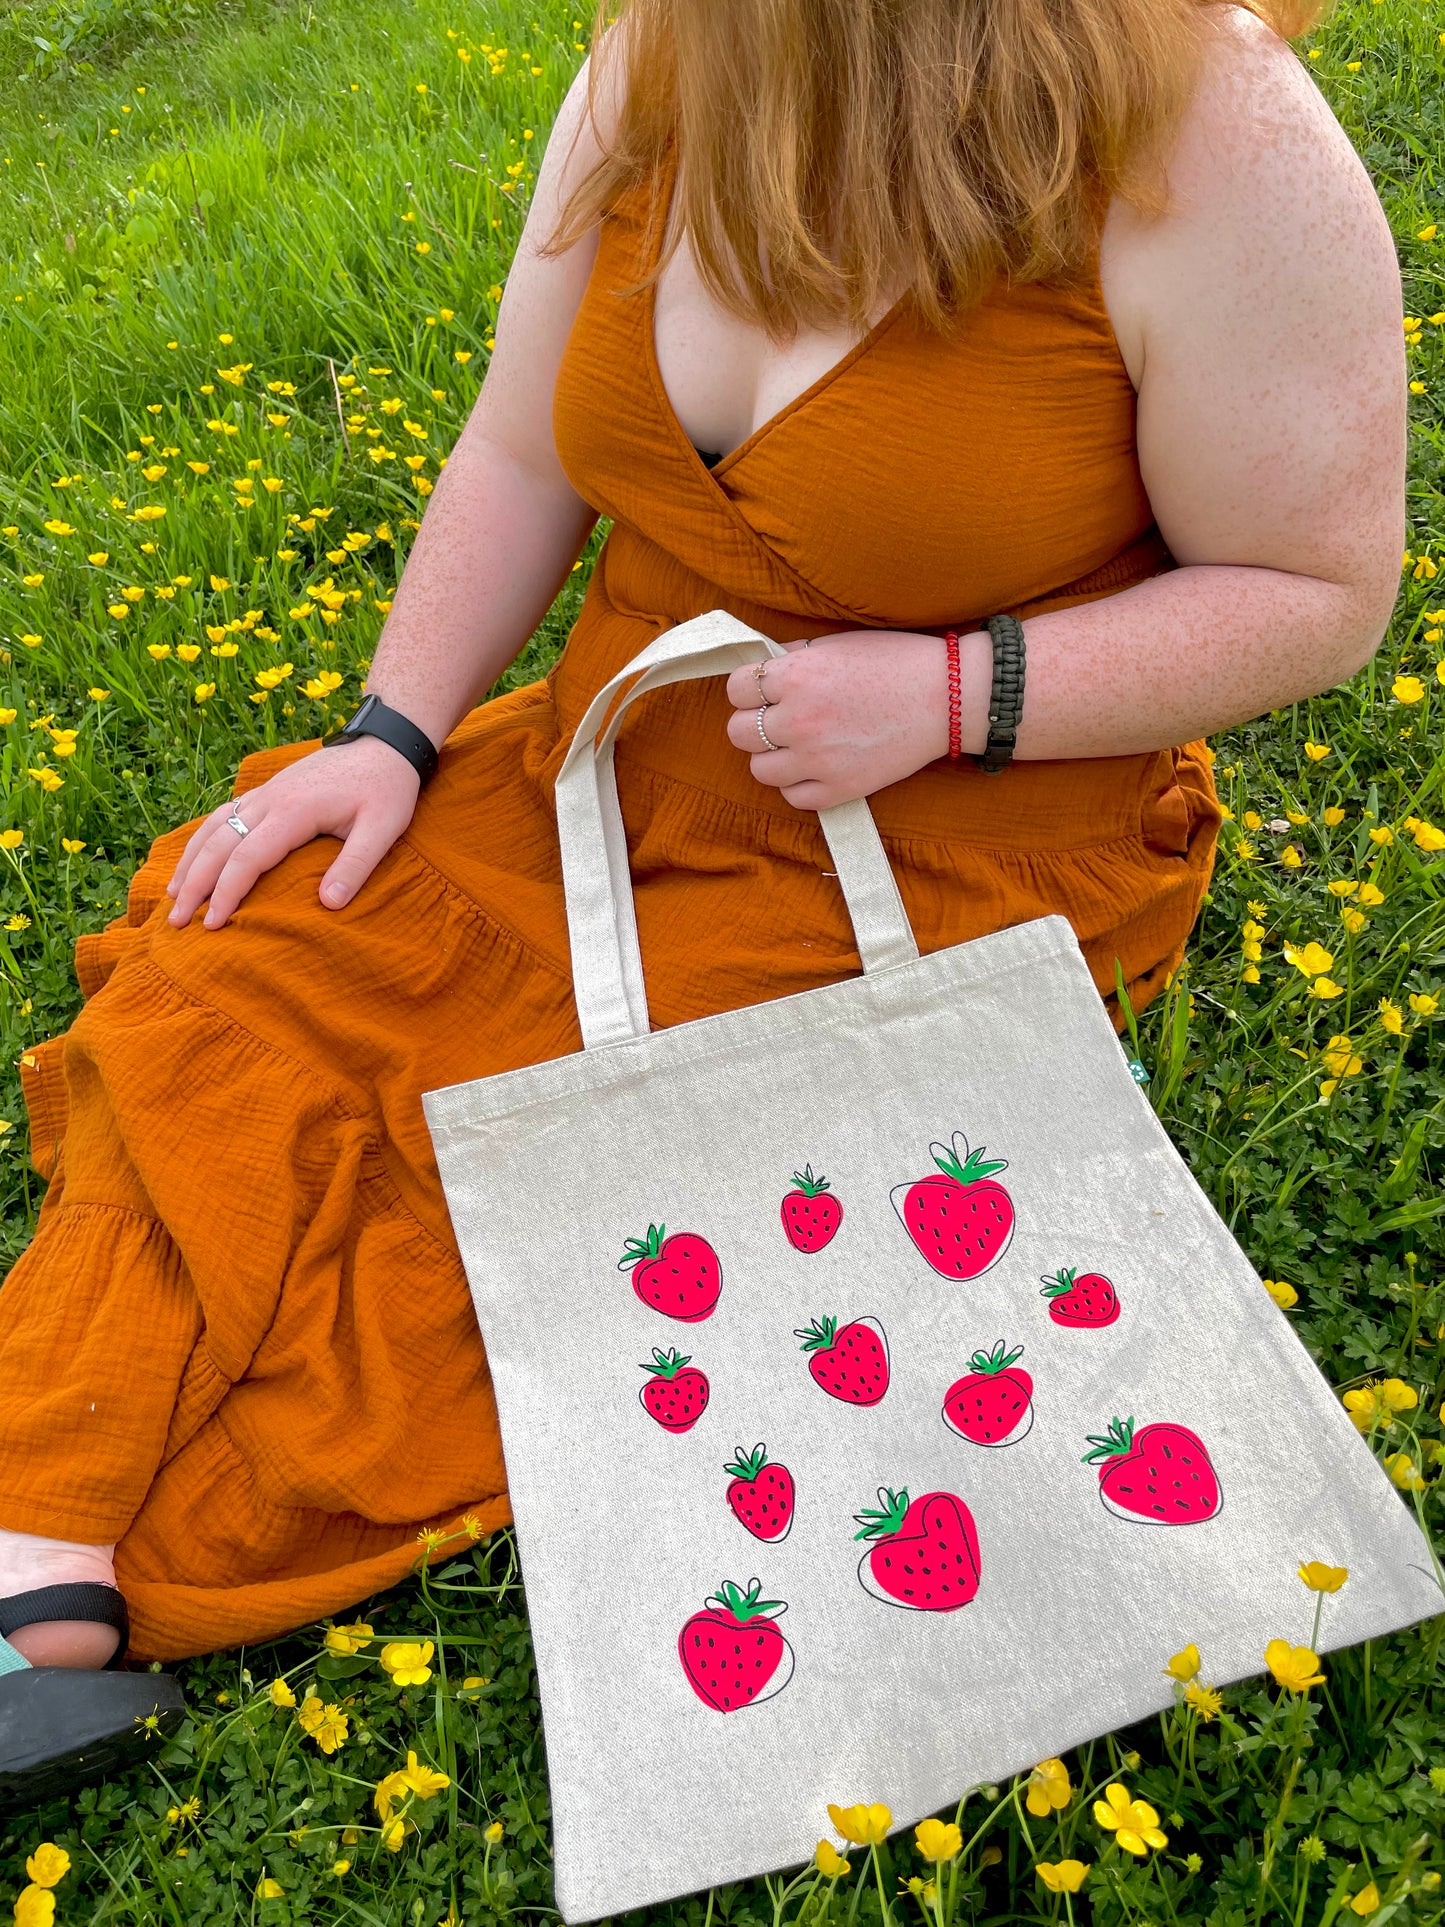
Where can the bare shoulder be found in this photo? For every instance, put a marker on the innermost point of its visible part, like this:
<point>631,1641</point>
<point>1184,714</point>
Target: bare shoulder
<point>1268,196</point>
<point>1260,321</point>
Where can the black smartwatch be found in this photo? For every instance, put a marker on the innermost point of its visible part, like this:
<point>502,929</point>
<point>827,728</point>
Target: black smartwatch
<point>375,719</point>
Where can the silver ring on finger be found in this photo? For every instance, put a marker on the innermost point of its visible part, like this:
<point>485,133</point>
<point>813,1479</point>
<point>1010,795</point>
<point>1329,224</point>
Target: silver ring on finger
<point>767,741</point>
<point>760,669</point>
<point>233,822</point>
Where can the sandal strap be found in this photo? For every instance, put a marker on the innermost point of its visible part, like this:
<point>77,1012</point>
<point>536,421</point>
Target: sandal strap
<point>103,1605</point>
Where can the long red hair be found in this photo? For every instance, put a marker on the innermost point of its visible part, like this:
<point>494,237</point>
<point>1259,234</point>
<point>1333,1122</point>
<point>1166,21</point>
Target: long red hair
<point>867,148</point>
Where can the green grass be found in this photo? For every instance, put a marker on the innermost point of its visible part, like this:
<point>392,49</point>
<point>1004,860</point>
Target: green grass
<point>259,187</point>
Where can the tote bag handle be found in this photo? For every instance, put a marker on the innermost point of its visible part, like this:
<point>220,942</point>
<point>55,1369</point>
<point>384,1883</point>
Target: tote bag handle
<point>601,918</point>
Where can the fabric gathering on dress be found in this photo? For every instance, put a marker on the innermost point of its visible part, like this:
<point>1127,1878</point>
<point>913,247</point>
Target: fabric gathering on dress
<point>241,1343</point>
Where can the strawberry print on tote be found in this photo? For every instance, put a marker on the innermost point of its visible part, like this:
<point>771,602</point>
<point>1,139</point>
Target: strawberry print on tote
<point>761,1494</point>
<point>732,1651</point>
<point>676,1395</point>
<point>811,1214</point>
<point>1086,1301</point>
<point>960,1217</point>
<point>679,1276</point>
<point>1160,1476</point>
<point>850,1364</point>
<point>924,1552</point>
<point>994,1403</point>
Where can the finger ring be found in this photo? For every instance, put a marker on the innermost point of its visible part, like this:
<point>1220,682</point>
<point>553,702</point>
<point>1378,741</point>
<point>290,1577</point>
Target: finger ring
<point>760,669</point>
<point>767,744</point>
<point>233,822</point>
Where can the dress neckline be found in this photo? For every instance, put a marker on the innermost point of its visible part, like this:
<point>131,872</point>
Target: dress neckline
<point>661,212</point>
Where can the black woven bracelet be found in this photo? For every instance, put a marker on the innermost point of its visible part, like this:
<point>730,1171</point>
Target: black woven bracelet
<point>1006,699</point>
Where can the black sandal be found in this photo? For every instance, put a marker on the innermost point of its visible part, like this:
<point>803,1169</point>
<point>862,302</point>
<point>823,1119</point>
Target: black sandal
<point>63,1725</point>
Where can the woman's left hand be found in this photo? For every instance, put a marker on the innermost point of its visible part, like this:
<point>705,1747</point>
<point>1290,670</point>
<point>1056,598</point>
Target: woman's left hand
<point>850,713</point>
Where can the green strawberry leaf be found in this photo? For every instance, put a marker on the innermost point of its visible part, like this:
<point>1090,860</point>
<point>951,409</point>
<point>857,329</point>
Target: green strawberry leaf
<point>888,1519</point>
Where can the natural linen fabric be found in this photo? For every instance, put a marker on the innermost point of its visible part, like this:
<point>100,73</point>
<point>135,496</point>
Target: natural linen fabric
<point>241,1343</point>
<point>1052,1591</point>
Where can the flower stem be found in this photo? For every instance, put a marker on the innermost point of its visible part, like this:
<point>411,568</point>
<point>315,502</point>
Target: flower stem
<point>882,1894</point>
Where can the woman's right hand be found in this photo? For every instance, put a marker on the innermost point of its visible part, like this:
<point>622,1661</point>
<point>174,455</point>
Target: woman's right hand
<point>363,792</point>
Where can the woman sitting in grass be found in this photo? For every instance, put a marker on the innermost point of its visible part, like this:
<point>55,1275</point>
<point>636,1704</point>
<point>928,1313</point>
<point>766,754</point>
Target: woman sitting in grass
<point>877,323</point>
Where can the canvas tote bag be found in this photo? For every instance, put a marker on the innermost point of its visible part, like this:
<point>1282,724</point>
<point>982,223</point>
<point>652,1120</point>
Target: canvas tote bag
<point>880,1487</point>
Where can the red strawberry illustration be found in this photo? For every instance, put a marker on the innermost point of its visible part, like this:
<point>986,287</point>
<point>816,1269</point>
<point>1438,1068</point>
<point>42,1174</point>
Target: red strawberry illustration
<point>1161,1475</point>
<point>811,1214</point>
<point>679,1276</point>
<point>761,1494</point>
<point>732,1651</point>
<point>851,1364</point>
<point>960,1219</point>
<point>925,1554</point>
<point>1090,1300</point>
<point>994,1403</point>
<point>675,1397</point>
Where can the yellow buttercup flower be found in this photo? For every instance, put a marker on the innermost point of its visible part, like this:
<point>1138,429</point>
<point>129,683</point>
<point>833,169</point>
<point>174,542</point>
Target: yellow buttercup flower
<point>11,839</point>
<point>1322,1578</point>
<point>72,845</point>
<point>938,1840</point>
<point>347,1639</point>
<point>1402,1469</point>
<point>1422,1005</point>
<point>1207,1701</point>
<point>1290,857</point>
<point>1341,1057</point>
<point>270,1890</point>
<point>424,1781</point>
<point>865,1826</point>
<point>1283,1294</point>
<point>1427,837</point>
<point>1311,961</point>
<point>1325,988</point>
<point>48,1865</point>
<point>34,1907</point>
<point>1371,895</point>
<point>829,1862</point>
<point>393,1835</point>
<point>327,1725</point>
<point>1333,816</point>
<point>1048,1788</point>
<point>1382,835</point>
<point>1407,689</point>
<point>1317,752</point>
<point>1296,1668</point>
<point>1366,1901</point>
<point>408,1663</point>
<point>493,1833</point>
<point>1184,1665</point>
<point>1391,1017</point>
<point>1376,1403</point>
<point>188,651</point>
<point>1062,1876</point>
<point>280,1693</point>
<point>1397,1396</point>
<point>1133,1823</point>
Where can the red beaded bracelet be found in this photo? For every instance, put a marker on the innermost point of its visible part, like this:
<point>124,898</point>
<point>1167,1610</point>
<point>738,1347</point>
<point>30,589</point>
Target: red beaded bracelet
<point>955,700</point>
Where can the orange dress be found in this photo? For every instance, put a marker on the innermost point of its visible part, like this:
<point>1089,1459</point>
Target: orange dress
<point>241,1342</point>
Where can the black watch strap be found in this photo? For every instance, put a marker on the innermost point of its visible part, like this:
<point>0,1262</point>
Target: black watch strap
<point>375,719</point>
<point>1006,699</point>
